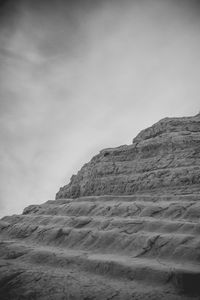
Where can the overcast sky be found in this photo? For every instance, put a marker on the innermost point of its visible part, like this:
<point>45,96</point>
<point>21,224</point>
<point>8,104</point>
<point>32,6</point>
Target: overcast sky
<point>80,76</point>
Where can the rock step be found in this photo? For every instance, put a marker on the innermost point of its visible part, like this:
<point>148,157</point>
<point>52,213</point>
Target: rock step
<point>178,246</point>
<point>131,225</point>
<point>184,277</point>
<point>186,210</point>
<point>135,197</point>
<point>31,281</point>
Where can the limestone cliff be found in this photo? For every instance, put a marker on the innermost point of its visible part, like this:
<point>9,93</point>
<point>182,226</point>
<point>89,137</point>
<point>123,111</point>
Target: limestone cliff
<point>163,157</point>
<point>127,226</point>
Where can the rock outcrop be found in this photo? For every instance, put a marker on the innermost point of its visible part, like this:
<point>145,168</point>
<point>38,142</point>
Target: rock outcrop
<point>127,226</point>
<point>163,157</point>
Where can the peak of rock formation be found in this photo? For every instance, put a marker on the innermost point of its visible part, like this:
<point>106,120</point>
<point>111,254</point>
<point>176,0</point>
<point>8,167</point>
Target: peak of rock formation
<point>127,226</point>
<point>163,157</point>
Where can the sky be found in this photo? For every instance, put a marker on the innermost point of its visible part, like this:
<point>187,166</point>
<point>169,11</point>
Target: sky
<point>80,76</point>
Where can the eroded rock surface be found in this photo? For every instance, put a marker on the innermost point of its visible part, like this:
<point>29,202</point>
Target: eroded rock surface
<point>163,157</point>
<point>127,226</point>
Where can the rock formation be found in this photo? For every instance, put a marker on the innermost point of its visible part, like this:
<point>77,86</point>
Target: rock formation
<point>161,158</point>
<point>127,226</point>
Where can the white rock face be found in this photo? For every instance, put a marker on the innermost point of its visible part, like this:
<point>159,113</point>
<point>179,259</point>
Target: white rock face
<point>162,158</point>
<point>127,226</point>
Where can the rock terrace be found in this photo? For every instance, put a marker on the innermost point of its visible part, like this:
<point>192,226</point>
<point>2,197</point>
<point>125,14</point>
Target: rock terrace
<point>127,226</point>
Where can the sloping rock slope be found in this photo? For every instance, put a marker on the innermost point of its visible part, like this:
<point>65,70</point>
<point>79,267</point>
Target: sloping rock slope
<point>127,226</point>
<point>161,158</point>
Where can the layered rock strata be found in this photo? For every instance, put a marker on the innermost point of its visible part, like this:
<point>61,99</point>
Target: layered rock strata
<point>162,158</point>
<point>127,226</point>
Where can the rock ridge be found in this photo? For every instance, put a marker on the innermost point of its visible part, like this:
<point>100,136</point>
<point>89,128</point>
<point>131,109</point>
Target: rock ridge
<point>165,156</point>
